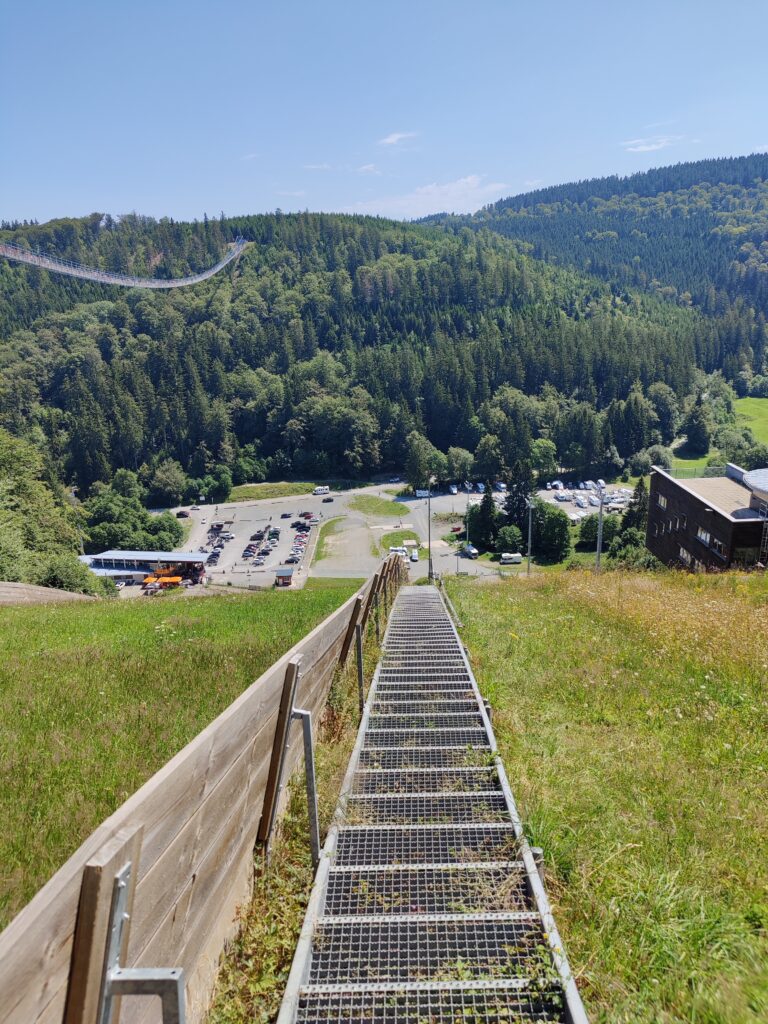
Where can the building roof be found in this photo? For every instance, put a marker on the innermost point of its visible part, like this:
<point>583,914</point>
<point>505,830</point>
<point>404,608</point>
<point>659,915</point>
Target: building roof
<point>723,494</point>
<point>148,556</point>
<point>757,479</point>
<point>284,572</point>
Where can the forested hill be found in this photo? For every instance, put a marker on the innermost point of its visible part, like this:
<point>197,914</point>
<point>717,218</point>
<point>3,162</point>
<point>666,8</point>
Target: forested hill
<point>694,233</point>
<point>336,347</point>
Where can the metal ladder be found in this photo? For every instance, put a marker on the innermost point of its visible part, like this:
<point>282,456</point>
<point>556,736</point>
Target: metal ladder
<point>428,906</point>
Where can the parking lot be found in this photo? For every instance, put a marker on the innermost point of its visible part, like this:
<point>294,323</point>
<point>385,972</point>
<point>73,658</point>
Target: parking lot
<point>247,556</point>
<point>581,501</point>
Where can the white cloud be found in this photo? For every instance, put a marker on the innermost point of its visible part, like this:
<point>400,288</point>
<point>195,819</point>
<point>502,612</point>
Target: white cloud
<point>465,195</point>
<point>651,143</point>
<point>292,195</point>
<point>317,167</point>
<point>394,137</point>
<point>532,182</point>
<point>368,169</point>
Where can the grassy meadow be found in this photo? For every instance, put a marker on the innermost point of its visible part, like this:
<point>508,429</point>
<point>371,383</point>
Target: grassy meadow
<point>282,489</point>
<point>396,538</point>
<point>370,505</point>
<point>632,717</point>
<point>96,697</point>
<point>753,413</point>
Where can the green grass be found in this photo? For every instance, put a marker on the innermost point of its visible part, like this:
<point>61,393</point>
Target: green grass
<point>283,489</point>
<point>396,538</point>
<point>373,506</point>
<point>753,413</point>
<point>328,528</point>
<point>97,697</point>
<point>632,717</point>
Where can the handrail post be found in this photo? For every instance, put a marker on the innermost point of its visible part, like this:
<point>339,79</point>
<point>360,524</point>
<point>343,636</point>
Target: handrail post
<point>309,769</point>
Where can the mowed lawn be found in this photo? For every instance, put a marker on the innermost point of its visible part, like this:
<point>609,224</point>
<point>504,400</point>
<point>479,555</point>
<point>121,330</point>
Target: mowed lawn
<point>753,413</point>
<point>96,697</point>
<point>632,716</point>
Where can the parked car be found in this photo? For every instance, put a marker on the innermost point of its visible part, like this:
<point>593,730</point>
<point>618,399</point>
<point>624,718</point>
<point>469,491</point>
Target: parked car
<point>182,514</point>
<point>480,488</point>
<point>286,515</point>
<point>414,555</point>
<point>258,561</point>
<point>394,480</point>
<point>511,558</point>
<point>453,489</point>
<point>195,508</point>
<point>469,551</point>
<point>292,560</point>
<point>326,500</point>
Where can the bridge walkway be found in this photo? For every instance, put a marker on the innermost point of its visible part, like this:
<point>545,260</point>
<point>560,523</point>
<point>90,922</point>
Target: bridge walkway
<point>427,906</point>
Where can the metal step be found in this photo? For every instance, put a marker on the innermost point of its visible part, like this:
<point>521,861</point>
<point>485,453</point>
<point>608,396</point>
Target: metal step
<point>427,889</point>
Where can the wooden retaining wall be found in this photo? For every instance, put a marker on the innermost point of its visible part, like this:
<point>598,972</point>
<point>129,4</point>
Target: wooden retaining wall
<point>195,824</point>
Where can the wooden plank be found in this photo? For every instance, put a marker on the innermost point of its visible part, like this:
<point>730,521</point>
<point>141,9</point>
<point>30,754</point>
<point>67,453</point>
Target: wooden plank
<point>93,924</point>
<point>161,886</point>
<point>369,603</point>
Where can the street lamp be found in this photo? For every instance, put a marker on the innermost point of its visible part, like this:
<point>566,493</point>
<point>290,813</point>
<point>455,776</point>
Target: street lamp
<point>429,525</point>
<point>529,504</point>
<point>601,493</point>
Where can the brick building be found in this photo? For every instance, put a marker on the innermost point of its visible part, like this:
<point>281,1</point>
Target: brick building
<point>709,522</point>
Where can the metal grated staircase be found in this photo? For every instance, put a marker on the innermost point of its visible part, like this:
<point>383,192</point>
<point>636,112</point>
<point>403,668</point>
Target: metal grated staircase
<point>427,907</point>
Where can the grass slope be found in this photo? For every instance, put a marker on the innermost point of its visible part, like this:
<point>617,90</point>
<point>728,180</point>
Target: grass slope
<point>97,697</point>
<point>396,538</point>
<point>632,717</point>
<point>753,413</point>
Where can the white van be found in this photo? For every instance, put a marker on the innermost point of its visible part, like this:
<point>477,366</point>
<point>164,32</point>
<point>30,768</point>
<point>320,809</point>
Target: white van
<point>322,490</point>
<point>511,559</point>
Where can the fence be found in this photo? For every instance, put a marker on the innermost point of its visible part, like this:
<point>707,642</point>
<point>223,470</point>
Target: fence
<point>189,833</point>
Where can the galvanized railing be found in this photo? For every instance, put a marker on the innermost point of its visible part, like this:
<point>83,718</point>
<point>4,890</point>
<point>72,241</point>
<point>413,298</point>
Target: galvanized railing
<point>428,904</point>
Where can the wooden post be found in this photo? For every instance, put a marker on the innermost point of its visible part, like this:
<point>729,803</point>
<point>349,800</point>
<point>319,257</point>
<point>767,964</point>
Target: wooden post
<point>353,620</point>
<point>369,602</point>
<point>282,729</point>
<point>360,678</point>
<point>92,927</point>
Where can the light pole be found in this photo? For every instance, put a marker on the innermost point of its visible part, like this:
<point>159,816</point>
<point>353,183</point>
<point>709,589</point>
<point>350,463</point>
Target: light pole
<point>601,492</point>
<point>429,525</point>
<point>529,503</point>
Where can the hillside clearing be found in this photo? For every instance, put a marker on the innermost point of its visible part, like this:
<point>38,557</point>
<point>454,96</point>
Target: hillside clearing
<point>753,413</point>
<point>96,697</point>
<point>631,713</point>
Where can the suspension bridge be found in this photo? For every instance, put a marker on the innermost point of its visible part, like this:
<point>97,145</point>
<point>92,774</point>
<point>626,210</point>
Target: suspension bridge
<point>61,266</point>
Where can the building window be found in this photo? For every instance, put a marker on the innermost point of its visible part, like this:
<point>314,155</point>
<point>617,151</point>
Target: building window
<point>685,556</point>
<point>683,522</point>
<point>718,547</point>
<point>703,535</point>
<point>670,526</point>
<point>662,501</point>
<point>655,530</point>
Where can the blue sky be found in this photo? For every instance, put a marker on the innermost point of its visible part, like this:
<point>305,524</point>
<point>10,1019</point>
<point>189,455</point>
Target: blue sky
<point>175,108</point>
